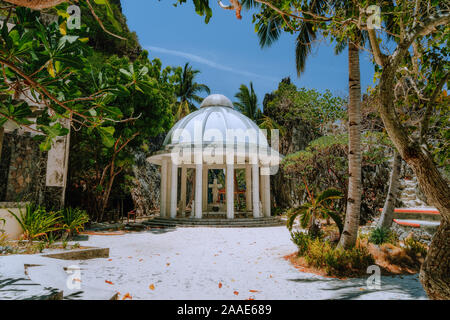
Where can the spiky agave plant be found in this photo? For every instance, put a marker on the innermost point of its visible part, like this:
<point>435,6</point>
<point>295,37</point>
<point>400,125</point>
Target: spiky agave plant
<point>37,222</point>
<point>317,207</point>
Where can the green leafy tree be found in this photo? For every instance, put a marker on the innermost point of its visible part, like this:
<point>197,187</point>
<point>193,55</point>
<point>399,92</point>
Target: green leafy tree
<point>144,94</point>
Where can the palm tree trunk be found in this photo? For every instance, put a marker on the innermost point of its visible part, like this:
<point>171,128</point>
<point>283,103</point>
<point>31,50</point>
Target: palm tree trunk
<point>389,205</point>
<point>350,233</point>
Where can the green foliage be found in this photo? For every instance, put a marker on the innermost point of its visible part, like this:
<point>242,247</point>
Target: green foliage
<point>324,164</point>
<point>382,235</point>
<point>415,248</point>
<point>301,240</point>
<point>36,222</point>
<point>335,261</point>
<point>288,104</point>
<point>74,219</point>
<point>49,64</point>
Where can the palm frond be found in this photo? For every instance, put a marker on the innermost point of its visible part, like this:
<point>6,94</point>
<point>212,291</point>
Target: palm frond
<point>294,213</point>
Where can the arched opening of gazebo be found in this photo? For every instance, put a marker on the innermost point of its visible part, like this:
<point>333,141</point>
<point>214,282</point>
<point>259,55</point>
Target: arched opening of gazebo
<point>212,140</point>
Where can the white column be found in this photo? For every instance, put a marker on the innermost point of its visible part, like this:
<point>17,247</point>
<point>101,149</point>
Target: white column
<point>183,191</point>
<point>198,190</point>
<point>255,190</point>
<point>230,191</point>
<point>266,195</point>
<point>173,191</point>
<point>205,188</point>
<point>248,187</point>
<point>168,188</point>
<point>162,206</point>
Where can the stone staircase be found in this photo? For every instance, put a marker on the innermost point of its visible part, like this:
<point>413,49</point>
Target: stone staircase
<point>159,222</point>
<point>415,213</point>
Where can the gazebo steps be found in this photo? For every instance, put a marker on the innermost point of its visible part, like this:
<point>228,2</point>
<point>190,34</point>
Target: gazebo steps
<point>215,222</point>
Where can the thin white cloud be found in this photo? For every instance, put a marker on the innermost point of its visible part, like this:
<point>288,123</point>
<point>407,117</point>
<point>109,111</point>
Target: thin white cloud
<point>209,63</point>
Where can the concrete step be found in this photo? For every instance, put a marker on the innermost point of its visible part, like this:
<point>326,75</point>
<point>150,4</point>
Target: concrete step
<point>429,226</point>
<point>236,223</point>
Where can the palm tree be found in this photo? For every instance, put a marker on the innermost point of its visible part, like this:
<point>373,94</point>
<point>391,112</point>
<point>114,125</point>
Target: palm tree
<point>268,33</point>
<point>187,90</point>
<point>247,104</point>
<point>317,207</point>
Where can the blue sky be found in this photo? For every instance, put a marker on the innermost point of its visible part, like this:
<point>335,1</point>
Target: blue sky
<point>227,51</point>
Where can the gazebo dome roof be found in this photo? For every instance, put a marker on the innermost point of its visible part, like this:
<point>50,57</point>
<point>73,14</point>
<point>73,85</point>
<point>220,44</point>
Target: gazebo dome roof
<point>211,123</point>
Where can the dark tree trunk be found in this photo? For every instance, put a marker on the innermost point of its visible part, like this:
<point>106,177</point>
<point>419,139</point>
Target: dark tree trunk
<point>389,205</point>
<point>435,271</point>
<point>2,133</point>
<point>435,275</point>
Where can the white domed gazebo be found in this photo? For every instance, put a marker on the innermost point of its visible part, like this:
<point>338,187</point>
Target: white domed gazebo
<point>215,137</point>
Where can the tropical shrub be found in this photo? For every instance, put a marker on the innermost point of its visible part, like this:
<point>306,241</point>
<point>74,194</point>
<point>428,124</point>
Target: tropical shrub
<point>36,222</point>
<point>415,248</point>
<point>301,240</point>
<point>74,219</point>
<point>324,255</point>
<point>382,235</point>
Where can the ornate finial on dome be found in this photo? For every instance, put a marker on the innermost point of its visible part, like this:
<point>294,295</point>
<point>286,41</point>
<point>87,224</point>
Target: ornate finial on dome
<point>216,100</point>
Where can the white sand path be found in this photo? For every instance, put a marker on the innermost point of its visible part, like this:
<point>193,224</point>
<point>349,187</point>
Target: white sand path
<point>189,263</point>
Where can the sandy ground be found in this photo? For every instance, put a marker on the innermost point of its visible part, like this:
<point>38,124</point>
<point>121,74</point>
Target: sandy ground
<point>227,263</point>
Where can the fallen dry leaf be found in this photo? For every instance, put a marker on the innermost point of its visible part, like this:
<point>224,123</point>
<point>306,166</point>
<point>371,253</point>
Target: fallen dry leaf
<point>127,296</point>
<point>220,285</point>
<point>108,282</point>
<point>109,259</point>
<point>151,287</point>
<point>168,264</point>
<point>254,291</point>
<point>236,293</point>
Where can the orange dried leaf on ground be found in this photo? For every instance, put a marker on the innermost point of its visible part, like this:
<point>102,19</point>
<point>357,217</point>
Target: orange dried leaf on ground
<point>168,264</point>
<point>236,293</point>
<point>127,296</point>
<point>151,287</point>
<point>108,282</point>
<point>251,298</point>
<point>109,259</point>
<point>254,291</point>
<point>220,285</point>
<point>140,260</point>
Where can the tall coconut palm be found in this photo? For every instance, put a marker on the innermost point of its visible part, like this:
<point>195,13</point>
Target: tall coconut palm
<point>268,33</point>
<point>247,102</point>
<point>187,90</point>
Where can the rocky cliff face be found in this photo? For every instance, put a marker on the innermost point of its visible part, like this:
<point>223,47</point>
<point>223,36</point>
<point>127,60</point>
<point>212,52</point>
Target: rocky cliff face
<point>147,180</point>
